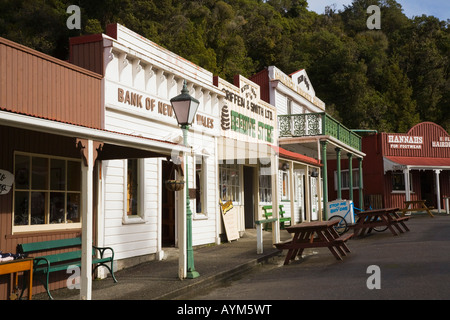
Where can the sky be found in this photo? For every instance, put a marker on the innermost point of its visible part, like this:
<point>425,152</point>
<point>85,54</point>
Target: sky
<point>437,8</point>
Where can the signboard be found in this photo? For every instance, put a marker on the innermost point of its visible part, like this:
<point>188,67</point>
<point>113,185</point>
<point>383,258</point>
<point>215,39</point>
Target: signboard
<point>425,139</point>
<point>6,181</point>
<point>229,220</point>
<point>343,208</point>
<point>401,141</point>
<point>244,116</point>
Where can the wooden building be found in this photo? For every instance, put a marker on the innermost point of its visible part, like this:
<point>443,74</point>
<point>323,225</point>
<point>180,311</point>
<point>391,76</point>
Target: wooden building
<point>53,142</point>
<point>305,128</point>
<point>407,166</point>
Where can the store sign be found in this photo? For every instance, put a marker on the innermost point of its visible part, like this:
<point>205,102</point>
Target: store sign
<point>245,113</point>
<point>444,142</point>
<point>397,141</point>
<point>6,181</point>
<point>154,105</point>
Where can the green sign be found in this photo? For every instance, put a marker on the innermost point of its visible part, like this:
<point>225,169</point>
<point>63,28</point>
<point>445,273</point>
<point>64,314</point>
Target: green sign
<point>246,125</point>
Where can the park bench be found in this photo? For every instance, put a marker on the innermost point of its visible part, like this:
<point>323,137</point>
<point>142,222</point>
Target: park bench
<point>268,215</point>
<point>46,264</point>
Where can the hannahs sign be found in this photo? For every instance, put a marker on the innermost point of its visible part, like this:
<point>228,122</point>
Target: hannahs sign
<point>397,141</point>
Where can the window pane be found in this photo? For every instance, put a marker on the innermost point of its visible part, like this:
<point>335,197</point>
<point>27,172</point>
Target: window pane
<point>73,207</point>
<point>38,205</point>
<point>57,207</point>
<point>57,174</point>
<point>198,183</point>
<point>73,176</point>
<point>39,177</point>
<point>21,208</point>
<point>22,172</point>
<point>132,187</point>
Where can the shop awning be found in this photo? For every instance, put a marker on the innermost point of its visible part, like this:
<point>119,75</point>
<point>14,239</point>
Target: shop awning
<point>283,153</point>
<point>398,163</point>
<point>231,150</point>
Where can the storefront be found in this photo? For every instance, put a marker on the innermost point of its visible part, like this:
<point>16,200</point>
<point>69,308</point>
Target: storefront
<point>408,166</point>
<point>247,162</point>
<point>140,216</point>
<point>306,129</point>
<point>253,170</point>
<point>53,141</point>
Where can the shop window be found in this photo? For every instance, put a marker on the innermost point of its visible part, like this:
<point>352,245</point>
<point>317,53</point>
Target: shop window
<point>345,179</point>
<point>265,188</point>
<point>47,192</point>
<point>133,192</point>
<point>132,187</point>
<point>229,185</point>
<point>398,182</point>
<point>200,185</point>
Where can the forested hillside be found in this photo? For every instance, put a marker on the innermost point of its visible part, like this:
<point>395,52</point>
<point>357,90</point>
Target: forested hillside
<point>387,79</point>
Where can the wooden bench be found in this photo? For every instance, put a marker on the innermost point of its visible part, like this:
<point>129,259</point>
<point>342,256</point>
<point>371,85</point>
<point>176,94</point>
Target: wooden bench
<point>315,234</point>
<point>416,206</point>
<point>46,264</point>
<point>259,233</point>
<point>268,215</point>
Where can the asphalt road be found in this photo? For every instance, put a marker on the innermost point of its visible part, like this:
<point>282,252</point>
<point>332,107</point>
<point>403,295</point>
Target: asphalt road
<point>413,265</point>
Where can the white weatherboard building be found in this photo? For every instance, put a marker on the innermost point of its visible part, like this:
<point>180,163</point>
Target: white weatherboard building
<point>137,215</point>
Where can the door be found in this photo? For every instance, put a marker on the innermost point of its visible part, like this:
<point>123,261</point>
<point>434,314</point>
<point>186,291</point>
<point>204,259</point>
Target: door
<point>427,188</point>
<point>249,198</point>
<point>168,206</point>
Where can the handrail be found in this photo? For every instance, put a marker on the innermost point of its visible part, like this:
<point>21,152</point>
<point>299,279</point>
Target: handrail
<point>313,124</point>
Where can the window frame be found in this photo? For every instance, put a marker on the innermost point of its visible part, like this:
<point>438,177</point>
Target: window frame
<point>47,225</point>
<point>267,187</point>
<point>224,167</point>
<point>403,182</point>
<point>140,216</point>
<point>355,174</point>
<point>203,179</point>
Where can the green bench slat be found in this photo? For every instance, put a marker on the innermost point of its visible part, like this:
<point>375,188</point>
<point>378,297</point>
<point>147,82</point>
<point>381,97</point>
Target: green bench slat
<point>265,221</point>
<point>48,245</point>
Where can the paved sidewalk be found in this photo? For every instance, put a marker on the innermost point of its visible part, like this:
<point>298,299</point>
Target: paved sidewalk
<point>159,279</point>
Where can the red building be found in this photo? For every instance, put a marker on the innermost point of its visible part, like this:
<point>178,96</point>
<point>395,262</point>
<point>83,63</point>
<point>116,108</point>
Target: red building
<point>407,166</point>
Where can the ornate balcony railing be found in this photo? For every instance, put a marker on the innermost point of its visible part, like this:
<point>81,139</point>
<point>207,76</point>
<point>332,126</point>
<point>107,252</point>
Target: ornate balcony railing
<point>316,124</point>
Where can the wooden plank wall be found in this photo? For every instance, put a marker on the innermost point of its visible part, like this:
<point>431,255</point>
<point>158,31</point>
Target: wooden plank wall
<point>35,84</point>
<point>14,139</point>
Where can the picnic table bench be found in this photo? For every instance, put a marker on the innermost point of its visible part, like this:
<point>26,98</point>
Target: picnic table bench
<point>367,220</point>
<point>416,205</point>
<point>46,264</point>
<point>268,213</point>
<point>315,235</point>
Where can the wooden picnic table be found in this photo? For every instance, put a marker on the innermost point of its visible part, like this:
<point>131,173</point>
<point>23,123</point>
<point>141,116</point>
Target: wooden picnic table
<point>313,235</point>
<point>416,205</point>
<point>367,220</point>
<point>15,266</point>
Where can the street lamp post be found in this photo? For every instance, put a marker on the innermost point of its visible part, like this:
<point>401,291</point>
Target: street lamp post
<point>185,107</point>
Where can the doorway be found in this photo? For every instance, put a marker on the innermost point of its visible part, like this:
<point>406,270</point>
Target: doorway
<point>168,206</point>
<point>249,198</point>
<point>427,189</point>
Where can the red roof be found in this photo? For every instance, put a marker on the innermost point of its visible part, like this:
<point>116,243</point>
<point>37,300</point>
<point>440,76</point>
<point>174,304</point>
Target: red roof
<point>296,156</point>
<point>421,161</point>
